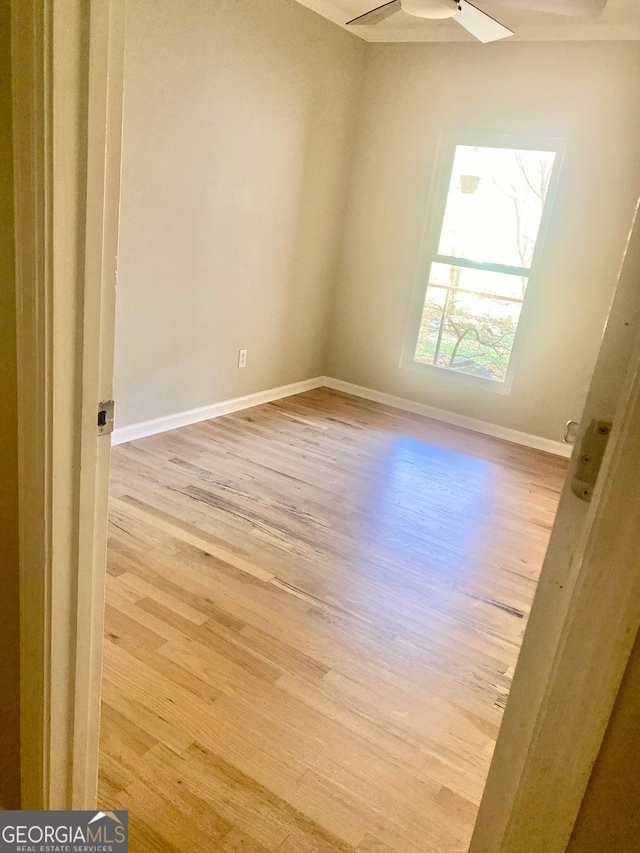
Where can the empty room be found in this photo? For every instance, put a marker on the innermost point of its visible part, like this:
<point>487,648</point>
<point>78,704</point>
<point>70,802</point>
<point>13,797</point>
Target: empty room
<point>365,267</point>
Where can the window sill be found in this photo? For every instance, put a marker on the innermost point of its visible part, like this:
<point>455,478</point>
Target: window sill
<point>464,379</point>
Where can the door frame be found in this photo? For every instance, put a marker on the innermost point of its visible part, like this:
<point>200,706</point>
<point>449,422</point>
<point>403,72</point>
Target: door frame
<point>68,88</point>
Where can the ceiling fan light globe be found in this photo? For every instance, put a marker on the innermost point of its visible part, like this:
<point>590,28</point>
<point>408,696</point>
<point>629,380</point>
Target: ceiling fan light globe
<point>432,9</point>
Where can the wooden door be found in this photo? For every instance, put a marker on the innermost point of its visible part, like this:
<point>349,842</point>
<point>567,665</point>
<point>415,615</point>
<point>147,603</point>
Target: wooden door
<point>584,618</point>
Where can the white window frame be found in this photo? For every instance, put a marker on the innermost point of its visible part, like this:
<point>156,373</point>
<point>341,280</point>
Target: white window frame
<point>439,191</point>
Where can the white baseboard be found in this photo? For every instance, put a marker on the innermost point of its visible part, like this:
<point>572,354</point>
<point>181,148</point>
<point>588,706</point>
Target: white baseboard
<point>226,407</point>
<point>215,410</point>
<point>513,435</point>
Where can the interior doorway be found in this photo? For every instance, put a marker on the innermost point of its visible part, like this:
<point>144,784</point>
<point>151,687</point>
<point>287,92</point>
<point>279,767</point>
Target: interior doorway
<point>86,589</point>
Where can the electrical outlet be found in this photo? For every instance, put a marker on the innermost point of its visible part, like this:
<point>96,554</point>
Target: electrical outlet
<point>242,358</point>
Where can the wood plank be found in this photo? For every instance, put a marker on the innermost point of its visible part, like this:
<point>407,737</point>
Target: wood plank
<point>315,610</point>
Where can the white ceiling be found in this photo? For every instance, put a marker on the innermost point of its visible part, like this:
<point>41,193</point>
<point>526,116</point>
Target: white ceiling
<point>619,21</point>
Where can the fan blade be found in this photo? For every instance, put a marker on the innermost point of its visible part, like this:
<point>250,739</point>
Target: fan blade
<point>574,8</point>
<point>377,15</point>
<point>479,24</point>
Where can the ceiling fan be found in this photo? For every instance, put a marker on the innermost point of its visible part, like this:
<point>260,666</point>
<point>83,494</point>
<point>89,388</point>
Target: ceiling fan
<point>474,20</point>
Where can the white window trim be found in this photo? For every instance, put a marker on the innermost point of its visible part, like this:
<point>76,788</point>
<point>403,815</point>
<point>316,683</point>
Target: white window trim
<point>439,190</point>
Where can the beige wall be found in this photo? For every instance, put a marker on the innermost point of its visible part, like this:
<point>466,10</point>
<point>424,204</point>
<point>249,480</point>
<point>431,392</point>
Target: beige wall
<point>240,161</point>
<point>9,649</point>
<point>237,117</point>
<point>609,820</point>
<point>586,92</point>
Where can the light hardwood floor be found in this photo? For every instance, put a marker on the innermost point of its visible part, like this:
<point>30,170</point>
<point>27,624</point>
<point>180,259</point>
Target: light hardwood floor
<point>314,609</point>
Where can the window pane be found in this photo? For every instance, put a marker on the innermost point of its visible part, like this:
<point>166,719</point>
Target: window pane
<point>468,333</point>
<point>494,205</point>
<point>480,281</point>
<point>432,316</point>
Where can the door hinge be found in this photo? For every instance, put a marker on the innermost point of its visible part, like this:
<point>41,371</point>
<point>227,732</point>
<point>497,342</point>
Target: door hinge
<point>592,448</point>
<point>105,417</point>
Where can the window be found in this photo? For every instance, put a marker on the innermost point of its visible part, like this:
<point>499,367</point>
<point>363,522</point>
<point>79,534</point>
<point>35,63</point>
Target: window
<point>488,207</point>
